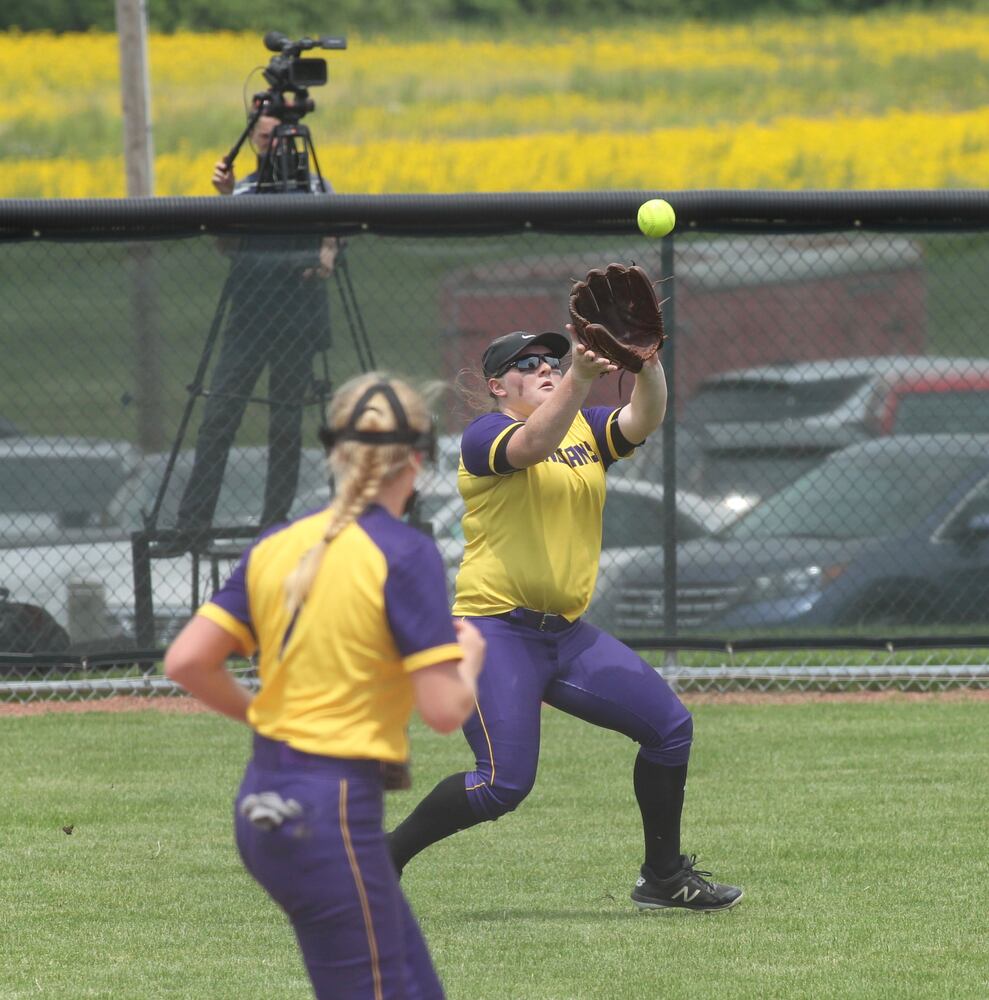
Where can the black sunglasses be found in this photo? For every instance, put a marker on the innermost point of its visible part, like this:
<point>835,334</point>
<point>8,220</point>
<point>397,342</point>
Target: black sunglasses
<point>533,362</point>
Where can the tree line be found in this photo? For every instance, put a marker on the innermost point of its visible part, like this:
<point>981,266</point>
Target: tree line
<point>315,17</point>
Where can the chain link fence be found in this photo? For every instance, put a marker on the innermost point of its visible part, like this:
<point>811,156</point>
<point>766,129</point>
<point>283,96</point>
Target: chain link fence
<point>813,514</point>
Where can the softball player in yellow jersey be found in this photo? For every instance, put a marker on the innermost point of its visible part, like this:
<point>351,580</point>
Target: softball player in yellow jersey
<point>348,613</point>
<point>532,475</point>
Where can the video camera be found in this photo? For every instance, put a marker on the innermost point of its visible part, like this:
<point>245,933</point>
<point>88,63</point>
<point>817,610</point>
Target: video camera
<point>288,72</point>
<point>285,166</point>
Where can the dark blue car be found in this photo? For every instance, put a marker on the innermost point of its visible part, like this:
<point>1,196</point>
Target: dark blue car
<point>889,531</point>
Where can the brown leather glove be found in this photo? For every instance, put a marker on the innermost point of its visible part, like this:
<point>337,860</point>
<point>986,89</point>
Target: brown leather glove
<point>616,314</point>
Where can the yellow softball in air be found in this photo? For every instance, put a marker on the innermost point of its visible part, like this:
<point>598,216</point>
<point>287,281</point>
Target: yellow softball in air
<point>656,218</point>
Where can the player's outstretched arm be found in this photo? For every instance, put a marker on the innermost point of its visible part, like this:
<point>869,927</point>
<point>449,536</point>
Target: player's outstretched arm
<point>647,405</point>
<point>548,425</point>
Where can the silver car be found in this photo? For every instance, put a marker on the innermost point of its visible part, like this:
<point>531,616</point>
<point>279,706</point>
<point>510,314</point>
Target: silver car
<point>755,430</point>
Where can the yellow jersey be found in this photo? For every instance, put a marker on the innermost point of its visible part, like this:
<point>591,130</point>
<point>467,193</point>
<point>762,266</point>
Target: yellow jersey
<point>335,677</point>
<point>533,536</point>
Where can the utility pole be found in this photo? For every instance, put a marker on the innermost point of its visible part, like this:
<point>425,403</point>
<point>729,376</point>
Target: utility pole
<point>135,92</point>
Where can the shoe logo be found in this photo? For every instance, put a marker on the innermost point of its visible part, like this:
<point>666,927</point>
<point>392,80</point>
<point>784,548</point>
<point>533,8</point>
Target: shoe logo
<point>640,882</point>
<point>684,893</point>
<point>528,336</point>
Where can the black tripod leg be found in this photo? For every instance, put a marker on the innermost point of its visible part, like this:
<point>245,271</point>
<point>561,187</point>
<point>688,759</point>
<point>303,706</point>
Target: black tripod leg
<point>144,622</point>
<point>323,387</point>
<point>195,389</point>
<point>341,272</point>
<point>362,345</point>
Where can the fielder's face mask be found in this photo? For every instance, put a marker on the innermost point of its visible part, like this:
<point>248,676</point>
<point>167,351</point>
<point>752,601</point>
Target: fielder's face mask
<point>404,432</point>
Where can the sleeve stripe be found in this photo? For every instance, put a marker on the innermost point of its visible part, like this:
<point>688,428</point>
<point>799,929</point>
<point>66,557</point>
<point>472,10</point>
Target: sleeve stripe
<point>430,657</point>
<point>613,434</point>
<point>621,442</point>
<point>226,621</point>
<point>498,448</point>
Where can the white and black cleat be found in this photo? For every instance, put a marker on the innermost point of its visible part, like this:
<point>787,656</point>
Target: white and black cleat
<point>686,889</point>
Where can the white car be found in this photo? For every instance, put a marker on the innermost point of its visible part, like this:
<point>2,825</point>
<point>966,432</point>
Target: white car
<point>87,582</point>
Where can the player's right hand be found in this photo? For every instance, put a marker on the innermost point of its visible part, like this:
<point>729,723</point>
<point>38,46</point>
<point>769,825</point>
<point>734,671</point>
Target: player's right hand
<point>223,177</point>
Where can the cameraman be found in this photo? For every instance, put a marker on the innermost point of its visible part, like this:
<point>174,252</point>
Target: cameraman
<point>278,318</point>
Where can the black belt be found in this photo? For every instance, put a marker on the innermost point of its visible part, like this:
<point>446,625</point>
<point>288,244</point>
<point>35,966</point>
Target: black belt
<point>538,620</point>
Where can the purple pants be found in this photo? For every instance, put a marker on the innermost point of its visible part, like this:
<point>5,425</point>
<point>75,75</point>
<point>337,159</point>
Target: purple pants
<point>581,671</point>
<point>329,869</point>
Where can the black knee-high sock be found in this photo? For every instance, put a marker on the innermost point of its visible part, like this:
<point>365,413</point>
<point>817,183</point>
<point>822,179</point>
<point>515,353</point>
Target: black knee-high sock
<point>444,811</point>
<point>659,792</point>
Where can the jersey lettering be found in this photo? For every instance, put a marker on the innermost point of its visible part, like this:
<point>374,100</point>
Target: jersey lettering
<point>576,455</point>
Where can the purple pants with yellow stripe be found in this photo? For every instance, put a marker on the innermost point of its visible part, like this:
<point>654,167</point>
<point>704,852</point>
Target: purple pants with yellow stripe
<point>327,866</point>
<point>581,671</point>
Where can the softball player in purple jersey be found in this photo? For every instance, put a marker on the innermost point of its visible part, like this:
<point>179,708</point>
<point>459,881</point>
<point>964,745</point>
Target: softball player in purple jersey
<point>347,612</point>
<point>532,475</point>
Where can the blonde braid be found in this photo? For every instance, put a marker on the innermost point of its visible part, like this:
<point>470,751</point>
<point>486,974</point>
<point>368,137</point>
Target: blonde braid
<point>356,492</point>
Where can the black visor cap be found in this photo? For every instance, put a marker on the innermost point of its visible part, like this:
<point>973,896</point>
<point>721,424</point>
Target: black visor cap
<point>504,350</point>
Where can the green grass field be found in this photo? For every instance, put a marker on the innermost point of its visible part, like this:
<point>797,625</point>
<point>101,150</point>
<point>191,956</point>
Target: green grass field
<point>857,830</point>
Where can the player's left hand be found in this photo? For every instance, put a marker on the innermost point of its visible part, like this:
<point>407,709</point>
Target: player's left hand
<point>585,364</point>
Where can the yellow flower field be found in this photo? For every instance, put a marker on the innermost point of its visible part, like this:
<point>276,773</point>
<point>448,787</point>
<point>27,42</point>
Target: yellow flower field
<point>865,102</point>
<point>898,151</point>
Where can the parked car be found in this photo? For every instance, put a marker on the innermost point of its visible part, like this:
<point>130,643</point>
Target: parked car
<point>889,531</point>
<point>58,488</point>
<point>950,402</point>
<point>755,430</point>
<point>87,585</point>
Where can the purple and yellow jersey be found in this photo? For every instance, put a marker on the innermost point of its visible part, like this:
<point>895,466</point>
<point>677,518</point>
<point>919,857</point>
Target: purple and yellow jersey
<point>335,681</point>
<point>533,536</point>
